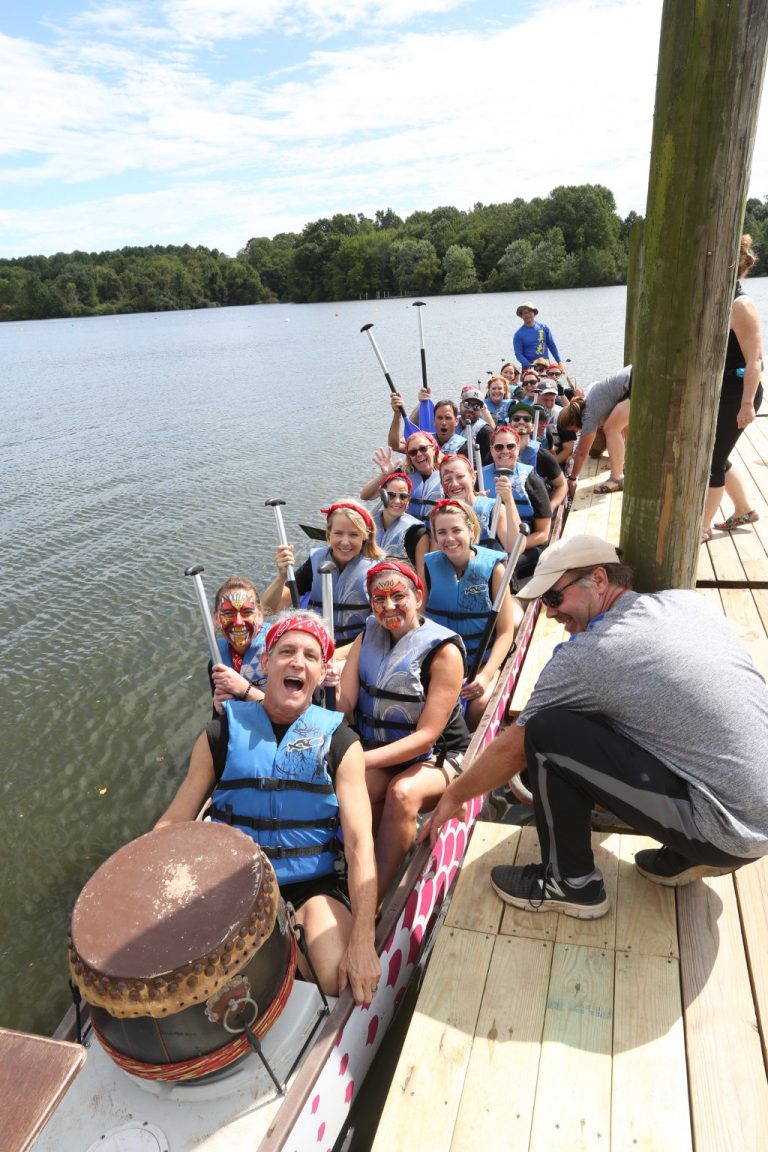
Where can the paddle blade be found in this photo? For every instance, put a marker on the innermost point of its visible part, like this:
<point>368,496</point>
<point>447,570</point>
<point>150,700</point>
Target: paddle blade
<point>409,428</point>
<point>427,416</point>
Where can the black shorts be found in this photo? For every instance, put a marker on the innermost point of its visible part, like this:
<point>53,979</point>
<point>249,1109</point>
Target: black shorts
<point>333,885</point>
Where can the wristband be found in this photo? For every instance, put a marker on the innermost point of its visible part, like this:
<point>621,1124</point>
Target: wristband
<point>244,695</point>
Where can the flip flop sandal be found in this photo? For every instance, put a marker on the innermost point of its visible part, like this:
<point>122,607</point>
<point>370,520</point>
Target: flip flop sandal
<point>738,521</point>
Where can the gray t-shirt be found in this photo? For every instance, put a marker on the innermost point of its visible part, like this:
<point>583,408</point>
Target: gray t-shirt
<point>668,672</point>
<point>603,397</point>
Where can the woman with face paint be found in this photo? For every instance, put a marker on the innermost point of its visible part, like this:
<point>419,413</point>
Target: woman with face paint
<point>400,690</point>
<point>351,534</point>
<point>237,612</point>
<point>463,580</point>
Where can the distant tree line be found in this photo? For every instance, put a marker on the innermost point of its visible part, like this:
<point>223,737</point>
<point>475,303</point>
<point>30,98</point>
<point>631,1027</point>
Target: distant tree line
<point>572,238</point>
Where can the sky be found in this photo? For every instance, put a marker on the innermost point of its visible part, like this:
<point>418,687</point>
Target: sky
<point>212,121</point>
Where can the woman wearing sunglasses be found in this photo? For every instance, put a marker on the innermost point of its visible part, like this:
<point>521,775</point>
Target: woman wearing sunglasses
<point>422,468</point>
<point>528,491</point>
<point>397,532</point>
<point>462,581</point>
<point>533,452</point>
<point>458,479</point>
<point>400,689</point>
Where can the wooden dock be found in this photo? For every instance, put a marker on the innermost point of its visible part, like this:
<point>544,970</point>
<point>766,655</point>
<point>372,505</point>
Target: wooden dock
<point>644,1031</point>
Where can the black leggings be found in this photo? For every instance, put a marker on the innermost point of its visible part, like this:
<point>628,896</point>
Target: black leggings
<point>575,759</point>
<point>727,431</point>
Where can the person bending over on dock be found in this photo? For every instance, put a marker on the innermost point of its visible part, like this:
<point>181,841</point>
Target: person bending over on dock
<point>298,769</point>
<point>654,710</point>
<point>533,341</point>
<point>605,406</point>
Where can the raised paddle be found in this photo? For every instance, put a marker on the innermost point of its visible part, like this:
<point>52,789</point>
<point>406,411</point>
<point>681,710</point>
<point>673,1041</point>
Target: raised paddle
<point>426,407</point>
<point>290,577</point>
<point>493,615</point>
<point>326,570</point>
<point>210,632</point>
<point>408,426</point>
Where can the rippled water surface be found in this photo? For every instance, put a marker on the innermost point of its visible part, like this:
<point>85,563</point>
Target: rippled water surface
<point>131,447</point>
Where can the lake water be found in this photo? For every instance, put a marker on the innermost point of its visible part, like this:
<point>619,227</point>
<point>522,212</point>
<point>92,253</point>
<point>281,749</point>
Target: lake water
<point>133,446</point>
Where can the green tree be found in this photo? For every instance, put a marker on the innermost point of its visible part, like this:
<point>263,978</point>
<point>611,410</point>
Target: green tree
<point>459,273</point>
<point>415,266</point>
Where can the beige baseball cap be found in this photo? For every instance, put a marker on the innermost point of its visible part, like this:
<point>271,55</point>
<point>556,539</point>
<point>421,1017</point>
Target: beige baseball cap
<point>565,555</point>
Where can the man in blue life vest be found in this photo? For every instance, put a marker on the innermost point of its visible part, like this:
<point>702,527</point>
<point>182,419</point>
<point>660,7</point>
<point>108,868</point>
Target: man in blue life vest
<point>631,713</point>
<point>291,774</point>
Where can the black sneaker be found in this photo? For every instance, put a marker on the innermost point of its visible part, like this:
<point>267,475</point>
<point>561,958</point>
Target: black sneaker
<point>533,888</point>
<point>667,867</point>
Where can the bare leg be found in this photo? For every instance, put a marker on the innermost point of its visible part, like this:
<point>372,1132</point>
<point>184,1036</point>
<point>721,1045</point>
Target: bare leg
<point>711,505</point>
<point>734,487</point>
<point>416,789</point>
<point>475,708</point>
<point>615,428</point>
<point>327,927</point>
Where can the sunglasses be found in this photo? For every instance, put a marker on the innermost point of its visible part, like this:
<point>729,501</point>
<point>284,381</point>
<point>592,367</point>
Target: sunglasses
<point>554,598</point>
<point>475,405</point>
<point>414,452</point>
<point>504,447</point>
<point>397,495</point>
<point>520,419</point>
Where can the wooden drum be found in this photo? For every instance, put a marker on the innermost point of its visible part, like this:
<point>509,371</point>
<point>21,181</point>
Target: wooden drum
<point>178,942</point>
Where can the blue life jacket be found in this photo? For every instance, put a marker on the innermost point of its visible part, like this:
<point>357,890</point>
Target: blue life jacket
<point>251,666</point>
<point>462,604</point>
<point>392,539</point>
<point>391,695</point>
<point>282,795</point>
<point>483,508</point>
<point>426,493</point>
<point>518,478</point>
<point>453,444</point>
<point>500,411</point>
<point>528,454</point>
<point>351,607</point>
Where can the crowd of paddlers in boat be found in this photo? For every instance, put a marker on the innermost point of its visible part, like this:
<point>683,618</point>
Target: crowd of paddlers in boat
<point>400,622</point>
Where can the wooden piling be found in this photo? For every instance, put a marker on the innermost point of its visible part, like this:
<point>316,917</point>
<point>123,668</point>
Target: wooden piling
<point>711,67</point>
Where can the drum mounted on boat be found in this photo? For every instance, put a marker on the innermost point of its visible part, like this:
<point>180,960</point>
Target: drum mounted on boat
<point>179,942</point>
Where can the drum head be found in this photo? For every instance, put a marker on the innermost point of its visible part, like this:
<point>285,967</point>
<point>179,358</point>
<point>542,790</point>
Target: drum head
<point>170,916</point>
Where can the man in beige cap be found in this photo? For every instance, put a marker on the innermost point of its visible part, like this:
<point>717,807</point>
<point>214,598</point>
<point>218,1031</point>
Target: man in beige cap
<point>652,709</point>
<point>533,341</point>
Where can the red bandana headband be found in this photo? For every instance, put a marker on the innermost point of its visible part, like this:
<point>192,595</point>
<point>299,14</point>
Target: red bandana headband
<point>396,476</point>
<point>447,506</point>
<point>451,458</point>
<point>301,624</point>
<point>393,566</point>
<point>328,512</point>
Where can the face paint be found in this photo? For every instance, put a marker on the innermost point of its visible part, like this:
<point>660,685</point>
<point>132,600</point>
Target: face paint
<point>391,601</point>
<point>239,619</point>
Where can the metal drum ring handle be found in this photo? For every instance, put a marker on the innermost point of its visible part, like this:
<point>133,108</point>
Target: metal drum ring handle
<point>236,1006</point>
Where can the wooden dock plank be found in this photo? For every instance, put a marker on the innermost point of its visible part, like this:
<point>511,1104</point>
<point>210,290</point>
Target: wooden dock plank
<point>474,904</point>
<point>752,894</point>
<point>650,1084</point>
<point>504,1065</point>
<point>426,1090</point>
<point>741,610</point>
<point>572,1112</point>
<point>645,912</point>
<point>728,1088</point>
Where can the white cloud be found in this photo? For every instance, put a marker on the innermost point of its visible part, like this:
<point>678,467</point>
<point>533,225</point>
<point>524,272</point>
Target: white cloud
<point>402,119</point>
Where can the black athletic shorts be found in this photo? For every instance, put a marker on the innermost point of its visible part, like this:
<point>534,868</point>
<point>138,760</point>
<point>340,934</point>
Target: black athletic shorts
<point>333,885</point>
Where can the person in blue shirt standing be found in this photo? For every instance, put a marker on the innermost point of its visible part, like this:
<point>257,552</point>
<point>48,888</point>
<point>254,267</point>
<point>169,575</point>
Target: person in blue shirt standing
<point>532,339</point>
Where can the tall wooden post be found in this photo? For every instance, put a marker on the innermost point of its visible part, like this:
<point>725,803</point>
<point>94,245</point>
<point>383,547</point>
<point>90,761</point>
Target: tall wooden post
<point>634,279</point>
<point>711,66</point>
